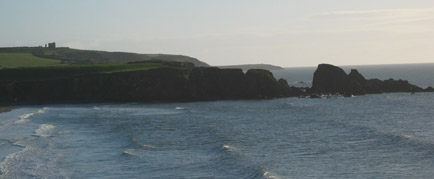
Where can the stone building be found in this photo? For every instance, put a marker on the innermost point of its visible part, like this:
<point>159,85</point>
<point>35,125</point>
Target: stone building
<point>52,45</point>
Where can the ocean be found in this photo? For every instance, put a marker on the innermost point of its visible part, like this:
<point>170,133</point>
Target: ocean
<point>371,136</point>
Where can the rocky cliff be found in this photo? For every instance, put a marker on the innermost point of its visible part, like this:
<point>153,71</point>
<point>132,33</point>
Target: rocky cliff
<point>171,84</point>
<point>163,84</point>
<point>329,79</point>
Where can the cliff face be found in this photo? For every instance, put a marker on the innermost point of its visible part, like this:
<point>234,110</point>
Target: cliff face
<point>188,84</point>
<point>331,79</point>
<point>163,84</point>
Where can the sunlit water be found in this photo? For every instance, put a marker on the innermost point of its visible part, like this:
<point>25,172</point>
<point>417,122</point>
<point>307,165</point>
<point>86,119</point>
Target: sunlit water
<point>372,136</point>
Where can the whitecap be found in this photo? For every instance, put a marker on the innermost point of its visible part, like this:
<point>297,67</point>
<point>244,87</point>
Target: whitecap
<point>269,175</point>
<point>228,148</point>
<point>24,118</point>
<point>148,146</point>
<point>408,136</point>
<point>43,110</point>
<point>179,108</point>
<point>44,130</point>
<point>129,152</point>
<point>96,108</point>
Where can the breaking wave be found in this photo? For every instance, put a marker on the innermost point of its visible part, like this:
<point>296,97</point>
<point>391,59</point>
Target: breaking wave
<point>269,175</point>
<point>229,148</point>
<point>25,117</point>
<point>44,130</point>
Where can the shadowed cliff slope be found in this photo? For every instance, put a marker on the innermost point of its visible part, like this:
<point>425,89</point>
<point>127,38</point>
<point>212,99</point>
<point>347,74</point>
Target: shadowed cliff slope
<point>329,79</point>
<point>162,84</point>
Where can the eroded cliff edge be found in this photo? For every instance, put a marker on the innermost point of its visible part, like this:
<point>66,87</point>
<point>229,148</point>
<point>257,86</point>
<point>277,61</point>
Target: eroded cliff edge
<point>162,84</point>
<point>329,79</point>
<point>170,84</point>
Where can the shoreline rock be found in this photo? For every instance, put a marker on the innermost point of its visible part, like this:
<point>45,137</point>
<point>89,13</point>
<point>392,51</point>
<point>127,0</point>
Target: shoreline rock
<point>3,110</point>
<point>329,79</point>
<point>163,84</point>
<point>193,84</point>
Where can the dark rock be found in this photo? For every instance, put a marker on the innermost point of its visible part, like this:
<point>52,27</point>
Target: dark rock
<point>330,79</point>
<point>163,84</point>
<point>429,89</point>
<point>262,84</point>
<point>357,83</point>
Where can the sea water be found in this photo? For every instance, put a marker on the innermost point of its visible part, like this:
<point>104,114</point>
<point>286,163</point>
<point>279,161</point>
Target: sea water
<point>371,136</point>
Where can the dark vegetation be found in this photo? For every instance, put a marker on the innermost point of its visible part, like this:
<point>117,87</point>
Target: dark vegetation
<point>60,72</point>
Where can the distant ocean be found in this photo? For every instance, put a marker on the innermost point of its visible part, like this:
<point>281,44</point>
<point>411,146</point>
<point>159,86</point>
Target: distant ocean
<point>371,136</point>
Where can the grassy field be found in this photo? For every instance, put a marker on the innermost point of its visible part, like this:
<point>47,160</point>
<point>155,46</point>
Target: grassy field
<point>54,72</point>
<point>71,56</point>
<point>19,60</point>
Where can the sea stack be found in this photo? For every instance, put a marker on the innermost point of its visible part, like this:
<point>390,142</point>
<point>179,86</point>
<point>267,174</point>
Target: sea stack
<point>329,79</point>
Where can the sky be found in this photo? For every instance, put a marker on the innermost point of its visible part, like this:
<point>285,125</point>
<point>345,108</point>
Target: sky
<point>287,33</point>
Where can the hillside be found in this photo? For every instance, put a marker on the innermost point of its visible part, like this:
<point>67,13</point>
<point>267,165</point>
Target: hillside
<point>71,71</point>
<point>80,57</point>
<point>253,66</point>
<point>17,60</point>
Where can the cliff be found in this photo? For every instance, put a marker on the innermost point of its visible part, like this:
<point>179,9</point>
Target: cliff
<point>151,83</point>
<point>162,84</point>
<point>329,79</point>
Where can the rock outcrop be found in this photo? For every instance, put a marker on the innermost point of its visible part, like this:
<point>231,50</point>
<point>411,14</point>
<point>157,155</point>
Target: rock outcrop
<point>163,84</point>
<point>185,84</point>
<point>329,79</point>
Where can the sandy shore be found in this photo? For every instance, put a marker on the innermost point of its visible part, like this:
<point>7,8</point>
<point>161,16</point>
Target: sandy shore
<point>2,110</point>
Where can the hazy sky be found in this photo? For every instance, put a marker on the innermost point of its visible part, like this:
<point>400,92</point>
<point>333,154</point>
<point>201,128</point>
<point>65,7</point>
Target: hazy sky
<point>222,32</point>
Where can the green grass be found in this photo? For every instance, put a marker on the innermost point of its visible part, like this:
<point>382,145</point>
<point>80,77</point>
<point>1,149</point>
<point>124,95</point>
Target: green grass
<point>100,68</point>
<point>19,60</point>
<point>54,72</point>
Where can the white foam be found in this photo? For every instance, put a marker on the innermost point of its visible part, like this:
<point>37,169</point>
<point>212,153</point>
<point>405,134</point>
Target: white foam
<point>24,118</point>
<point>96,108</point>
<point>228,148</point>
<point>179,108</point>
<point>43,110</point>
<point>33,162</point>
<point>44,130</point>
<point>129,152</point>
<point>148,146</point>
<point>408,136</point>
<point>269,175</point>
<point>5,167</point>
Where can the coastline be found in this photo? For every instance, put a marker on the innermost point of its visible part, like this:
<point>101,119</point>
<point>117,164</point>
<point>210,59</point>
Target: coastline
<point>3,110</point>
<point>188,85</point>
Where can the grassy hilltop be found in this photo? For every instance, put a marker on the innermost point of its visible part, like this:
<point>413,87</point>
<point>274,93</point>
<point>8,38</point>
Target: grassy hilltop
<point>17,60</point>
<point>58,72</point>
<point>36,56</point>
<point>36,63</point>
